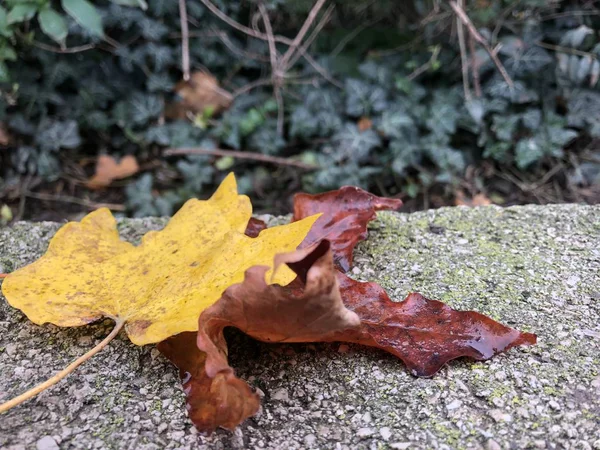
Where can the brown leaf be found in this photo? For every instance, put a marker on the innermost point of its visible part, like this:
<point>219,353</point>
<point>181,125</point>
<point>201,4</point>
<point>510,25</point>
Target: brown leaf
<point>107,170</point>
<point>223,401</point>
<point>461,199</point>
<point>309,309</point>
<point>346,213</point>
<point>5,136</point>
<point>423,333</point>
<point>200,92</point>
<point>364,124</point>
<point>255,226</point>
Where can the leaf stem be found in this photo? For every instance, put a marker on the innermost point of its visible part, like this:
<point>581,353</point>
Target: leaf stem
<point>63,373</point>
<point>3,275</point>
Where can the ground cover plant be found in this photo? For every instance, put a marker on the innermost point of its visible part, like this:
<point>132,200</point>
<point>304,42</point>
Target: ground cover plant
<point>434,102</point>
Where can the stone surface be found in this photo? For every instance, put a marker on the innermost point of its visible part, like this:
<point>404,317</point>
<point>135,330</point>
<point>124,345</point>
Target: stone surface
<point>534,268</point>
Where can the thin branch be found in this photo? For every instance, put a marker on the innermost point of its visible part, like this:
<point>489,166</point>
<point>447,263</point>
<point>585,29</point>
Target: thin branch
<point>252,85</point>
<point>53,49</point>
<point>425,67</point>
<point>312,15</point>
<point>342,44</point>
<point>238,26</point>
<point>462,15</point>
<point>240,155</point>
<point>464,60</point>
<point>270,38</point>
<point>569,14</point>
<point>474,67</point>
<point>320,70</point>
<point>400,48</point>
<point>561,49</point>
<point>75,200</point>
<point>63,373</point>
<point>276,68</point>
<point>185,41</point>
<point>304,47</point>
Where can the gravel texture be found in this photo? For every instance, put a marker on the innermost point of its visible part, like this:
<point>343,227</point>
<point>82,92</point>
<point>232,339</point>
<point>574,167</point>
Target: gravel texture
<point>534,268</point>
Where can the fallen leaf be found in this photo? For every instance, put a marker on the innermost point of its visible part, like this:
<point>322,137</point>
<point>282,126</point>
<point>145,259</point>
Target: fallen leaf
<point>254,227</point>
<point>460,199</point>
<point>346,213</point>
<point>364,124</point>
<point>309,309</point>
<point>197,95</point>
<point>222,401</point>
<point>5,136</point>
<point>107,170</point>
<point>159,287</point>
<point>425,334</point>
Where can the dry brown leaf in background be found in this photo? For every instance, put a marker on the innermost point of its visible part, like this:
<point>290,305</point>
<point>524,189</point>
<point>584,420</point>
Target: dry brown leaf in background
<point>200,92</point>
<point>364,124</point>
<point>5,136</point>
<point>461,199</point>
<point>108,169</point>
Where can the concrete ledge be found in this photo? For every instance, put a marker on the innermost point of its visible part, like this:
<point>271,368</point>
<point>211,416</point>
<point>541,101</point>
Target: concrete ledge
<point>535,268</point>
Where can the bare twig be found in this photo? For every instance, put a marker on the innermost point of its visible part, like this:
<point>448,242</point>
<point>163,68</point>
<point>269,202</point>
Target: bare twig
<point>276,68</point>
<point>281,39</point>
<point>312,15</point>
<point>425,67</point>
<point>185,41</point>
<point>342,44</point>
<point>252,85</point>
<point>65,50</point>
<point>313,35</point>
<point>569,50</point>
<point>400,48</point>
<point>240,155</point>
<point>75,200</point>
<point>464,64</point>
<point>462,15</point>
<point>570,13</point>
<point>63,373</point>
<point>474,67</point>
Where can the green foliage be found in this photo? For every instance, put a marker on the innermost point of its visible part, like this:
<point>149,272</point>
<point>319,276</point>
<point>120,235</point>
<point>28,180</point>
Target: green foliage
<point>61,107</point>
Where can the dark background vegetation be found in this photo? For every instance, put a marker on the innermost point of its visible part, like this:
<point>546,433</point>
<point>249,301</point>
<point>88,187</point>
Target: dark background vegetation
<point>384,109</point>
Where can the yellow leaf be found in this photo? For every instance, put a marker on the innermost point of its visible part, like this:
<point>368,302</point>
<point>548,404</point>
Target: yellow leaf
<point>160,287</point>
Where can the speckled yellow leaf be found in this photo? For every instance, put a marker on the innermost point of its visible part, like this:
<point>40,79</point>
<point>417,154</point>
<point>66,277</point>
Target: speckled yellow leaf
<point>157,288</point>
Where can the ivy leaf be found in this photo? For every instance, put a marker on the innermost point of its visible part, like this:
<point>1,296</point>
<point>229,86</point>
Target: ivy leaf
<point>85,14</point>
<point>53,25</point>
<point>4,25</point>
<point>527,152</point>
<point>135,3</point>
<point>351,143</point>
<point>89,273</point>
<point>55,135</point>
<point>21,12</point>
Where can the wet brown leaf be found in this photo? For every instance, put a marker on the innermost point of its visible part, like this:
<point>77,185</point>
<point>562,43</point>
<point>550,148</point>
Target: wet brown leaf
<point>308,310</point>
<point>425,334</point>
<point>346,213</point>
